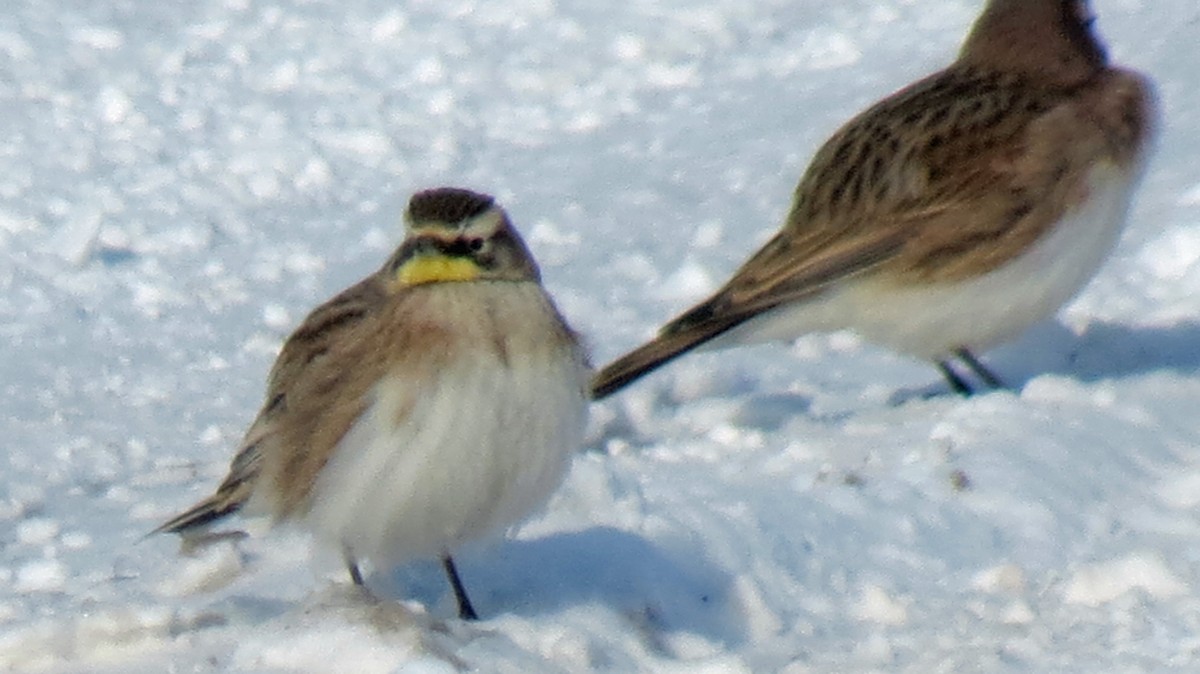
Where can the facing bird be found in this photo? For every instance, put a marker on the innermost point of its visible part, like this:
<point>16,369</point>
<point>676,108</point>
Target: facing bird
<point>436,401</point>
<point>951,215</point>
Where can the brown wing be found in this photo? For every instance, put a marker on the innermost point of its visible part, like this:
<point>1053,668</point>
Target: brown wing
<point>326,326</point>
<point>864,198</point>
<point>927,159</point>
<point>948,179</point>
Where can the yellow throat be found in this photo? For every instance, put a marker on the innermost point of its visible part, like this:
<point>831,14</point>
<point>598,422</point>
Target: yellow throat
<point>436,269</point>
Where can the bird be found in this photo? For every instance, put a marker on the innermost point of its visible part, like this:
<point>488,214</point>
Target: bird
<point>951,215</point>
<point>433,403</point>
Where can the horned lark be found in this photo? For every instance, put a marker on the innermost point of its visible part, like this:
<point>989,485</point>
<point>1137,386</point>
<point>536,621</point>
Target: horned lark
<point>951,215</point>
<point>434,402</point>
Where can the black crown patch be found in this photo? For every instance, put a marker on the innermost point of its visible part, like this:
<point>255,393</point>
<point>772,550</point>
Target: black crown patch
<point>447,204</point>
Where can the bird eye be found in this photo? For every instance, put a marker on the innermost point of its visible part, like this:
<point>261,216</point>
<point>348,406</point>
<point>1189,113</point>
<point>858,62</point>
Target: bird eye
<point>475,245</point>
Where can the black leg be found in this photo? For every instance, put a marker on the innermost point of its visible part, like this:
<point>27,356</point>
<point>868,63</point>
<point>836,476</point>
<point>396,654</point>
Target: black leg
<point>980,369</point>
<point>956,382</point>
<point>465,610</point>
<point>355,574</point>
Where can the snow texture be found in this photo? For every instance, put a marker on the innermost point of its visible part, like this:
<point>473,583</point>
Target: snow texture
<point>181,182</point>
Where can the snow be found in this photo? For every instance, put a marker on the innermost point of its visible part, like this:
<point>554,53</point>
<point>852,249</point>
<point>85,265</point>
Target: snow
<point>181,182</point>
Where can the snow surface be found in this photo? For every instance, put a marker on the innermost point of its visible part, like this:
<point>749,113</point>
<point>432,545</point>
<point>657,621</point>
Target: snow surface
<point>181,182</point>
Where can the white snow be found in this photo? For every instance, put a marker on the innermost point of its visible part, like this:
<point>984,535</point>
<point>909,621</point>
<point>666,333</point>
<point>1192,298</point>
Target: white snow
<point>1099,584</point>
<point>181,182</point>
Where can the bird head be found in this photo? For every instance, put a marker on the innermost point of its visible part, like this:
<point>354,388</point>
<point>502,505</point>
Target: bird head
<point>1050,41</point>
<point>455,235</point>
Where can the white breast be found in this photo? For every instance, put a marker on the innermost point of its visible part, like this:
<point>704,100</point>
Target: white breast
<point>478,450</point>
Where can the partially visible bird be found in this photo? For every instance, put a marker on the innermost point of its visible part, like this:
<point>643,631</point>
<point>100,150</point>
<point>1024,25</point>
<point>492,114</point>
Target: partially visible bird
<point>951,215</point>
<point>436,401</point>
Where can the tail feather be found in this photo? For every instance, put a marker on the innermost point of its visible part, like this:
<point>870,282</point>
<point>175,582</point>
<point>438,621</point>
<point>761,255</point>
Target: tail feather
<point>230,496</point>
<point>678,338</point>
<point>203,513</point>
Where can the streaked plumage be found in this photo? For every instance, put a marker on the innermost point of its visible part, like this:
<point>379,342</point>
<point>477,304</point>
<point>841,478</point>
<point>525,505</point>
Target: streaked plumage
<point>434,402</point>
<point>954,213</point>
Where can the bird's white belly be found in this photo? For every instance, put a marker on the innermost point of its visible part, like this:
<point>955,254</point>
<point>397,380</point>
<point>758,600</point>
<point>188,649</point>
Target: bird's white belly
<point>933,321</point>
<point>477,452</point>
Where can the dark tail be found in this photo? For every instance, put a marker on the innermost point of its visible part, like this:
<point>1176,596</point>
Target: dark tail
<point>229,498</point>
<point>678,337</point>
<point>205,512</point>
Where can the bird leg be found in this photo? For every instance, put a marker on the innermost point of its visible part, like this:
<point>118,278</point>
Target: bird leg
<point>955,380</point>
<point>959,383</point>
<point>352,566</point>
<point>980,369</point>
<point>465,610</point>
